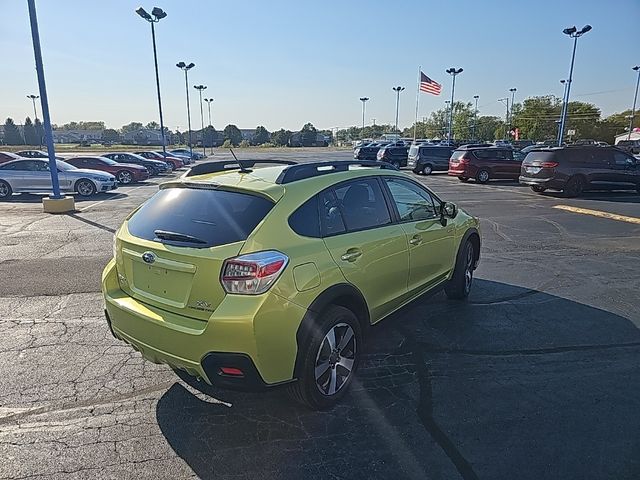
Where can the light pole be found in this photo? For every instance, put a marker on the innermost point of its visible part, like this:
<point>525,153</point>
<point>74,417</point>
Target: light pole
<point>575,34</point>
<point>453,72</point>
<point>200,88</point>
<point>635,97</point>
<point>209,102</point>
<point>513,95</point>
<point>184,67</point>
<point>157,14</point>
<point>475,116</point>
<point>35,116</point>
<point>397,89</point>
<point>364,101</point>
<point>564,95</point>
<point>505,101</point>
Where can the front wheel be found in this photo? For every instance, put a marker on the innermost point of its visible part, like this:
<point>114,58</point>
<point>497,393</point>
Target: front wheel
<point>5,190</point>
<point>538,188</point>
<point>427,170</point>
<point>124,177</point>
<point>459,286</point>
<point>329,359</point>
<point>573,187</point>
<point>85,188</point>
<point>395,163</point>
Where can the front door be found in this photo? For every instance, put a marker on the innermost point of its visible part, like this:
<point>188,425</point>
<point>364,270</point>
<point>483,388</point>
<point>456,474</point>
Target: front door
<point>369,249</point>
<point>430,243</point>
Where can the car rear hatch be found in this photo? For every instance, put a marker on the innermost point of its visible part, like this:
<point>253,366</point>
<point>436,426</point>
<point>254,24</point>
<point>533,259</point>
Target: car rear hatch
<point>539,164</point>
<point>459,160</point>
<point>170,253</point>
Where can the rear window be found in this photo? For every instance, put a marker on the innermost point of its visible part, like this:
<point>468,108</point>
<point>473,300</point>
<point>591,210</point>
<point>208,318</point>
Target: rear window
<point>540,156</point>
<point>413,150</point>
<point>458,154</point>
<point>198,218</point>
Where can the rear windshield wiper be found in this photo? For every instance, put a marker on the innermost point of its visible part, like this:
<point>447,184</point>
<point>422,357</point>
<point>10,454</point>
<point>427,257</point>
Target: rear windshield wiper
<point>177,237</point>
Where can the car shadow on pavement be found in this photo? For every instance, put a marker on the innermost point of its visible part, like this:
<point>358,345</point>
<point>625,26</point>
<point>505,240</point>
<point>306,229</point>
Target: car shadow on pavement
<point>514,383</point>
<point>617,196</point>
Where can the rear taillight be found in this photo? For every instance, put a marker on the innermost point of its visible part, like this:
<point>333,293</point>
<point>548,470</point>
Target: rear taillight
<point>254,273</point>
<point>549,164</point>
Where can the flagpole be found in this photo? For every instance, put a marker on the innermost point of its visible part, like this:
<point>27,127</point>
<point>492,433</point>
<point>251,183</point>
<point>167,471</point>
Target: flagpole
<point>415,124</point>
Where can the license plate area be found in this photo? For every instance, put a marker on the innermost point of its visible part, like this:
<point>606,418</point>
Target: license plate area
<point>532,170</point>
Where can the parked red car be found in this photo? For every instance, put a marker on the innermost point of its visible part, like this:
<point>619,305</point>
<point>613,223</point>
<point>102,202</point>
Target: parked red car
<point>484,164</point>
<point>124,172</point>
<point>174,161</point>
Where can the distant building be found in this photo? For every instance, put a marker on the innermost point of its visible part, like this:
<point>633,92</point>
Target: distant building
<point>144,136</point>
<point>635,135</point>
<point>76,136</point>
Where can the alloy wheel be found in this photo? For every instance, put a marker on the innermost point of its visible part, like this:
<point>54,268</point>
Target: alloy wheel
<point>4,190</point>
<point>335,359</point>
<point>125,177</point>
<point>468,269</point>
<point>85,188</point>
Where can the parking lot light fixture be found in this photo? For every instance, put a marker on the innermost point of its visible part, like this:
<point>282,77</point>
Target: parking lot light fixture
<point>200,88</point>
<point>185,68</point>
<point>397,89</point>
<point>364,101</point>
<point>454,72</point>
<point>157,14</point>
<point>513,95</point>
<point>35,116</point>
<point>574,33</point>
<point>505,101</point>
<point>209,102</point>
<point>475,115</point>
<point>635,98</point>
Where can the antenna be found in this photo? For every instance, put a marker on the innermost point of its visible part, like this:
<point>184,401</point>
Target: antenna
<point>243,168</point>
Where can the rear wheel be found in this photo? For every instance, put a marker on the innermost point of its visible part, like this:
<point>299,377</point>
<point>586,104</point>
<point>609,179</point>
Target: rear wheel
<point>573,187</point>
<point>538,188</point>
<point>459,286</point>
<point>395,163</point>
<point>5,190</point>
<point>124,177</point>
<point>463,179</point>
<point>427,169</point>
<point>85,188</point>
<point>329,359</point>
<point>483,176</point>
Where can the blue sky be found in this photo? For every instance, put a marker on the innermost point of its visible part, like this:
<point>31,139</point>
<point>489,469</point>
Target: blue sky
<point>283,63</point>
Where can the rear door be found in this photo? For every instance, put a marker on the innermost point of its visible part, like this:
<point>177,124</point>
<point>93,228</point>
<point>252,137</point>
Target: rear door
<point>370,250</point>
<point>171,251</point>
<point>37,176</point>
<point>430,243</point>
<point>14,174</point>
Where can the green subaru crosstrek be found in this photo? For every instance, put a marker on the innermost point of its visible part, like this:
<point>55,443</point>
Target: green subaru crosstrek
<point>250,277</point>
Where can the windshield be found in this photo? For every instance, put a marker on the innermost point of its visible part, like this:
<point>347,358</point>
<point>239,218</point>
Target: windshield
<point>63,166</point>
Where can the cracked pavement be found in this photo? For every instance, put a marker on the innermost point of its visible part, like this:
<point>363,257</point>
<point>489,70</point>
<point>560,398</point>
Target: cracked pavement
<point>535,377</point>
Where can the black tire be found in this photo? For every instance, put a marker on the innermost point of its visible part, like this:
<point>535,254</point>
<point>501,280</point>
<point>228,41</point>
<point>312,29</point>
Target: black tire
<point>124,177</point>
<point>483,176</point>
<point>314,353</point>
<point>152,171</point>
<point>395,163</point>
<point>427,169</point>
<point>538,188</point>
<point>459,286</point>
<point>574,187</point>
<point>5,190</point>
<point>85,187</point>
<point>463,179</point>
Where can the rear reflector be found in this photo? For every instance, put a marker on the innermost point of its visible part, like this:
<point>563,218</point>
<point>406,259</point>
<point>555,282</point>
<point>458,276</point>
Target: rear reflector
<point>235,372</point>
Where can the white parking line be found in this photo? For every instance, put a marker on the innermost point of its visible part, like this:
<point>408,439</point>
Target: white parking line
<point>117,195</point>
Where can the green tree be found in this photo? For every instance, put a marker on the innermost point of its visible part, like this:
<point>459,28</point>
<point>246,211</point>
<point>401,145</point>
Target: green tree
<point>308,135</point>
<point>233,134</point>
<point>12,135</point>
<point>281,137</point>
<point>489,128</point>
<point>83,126</point>
<point>153,126</point>
<point>536,117</point>
<point>260,136</point>
<point>110,135</point>
<point>39,131</point>
<point>130,127</point>
<point>210,136</point>
<point>29,133</point>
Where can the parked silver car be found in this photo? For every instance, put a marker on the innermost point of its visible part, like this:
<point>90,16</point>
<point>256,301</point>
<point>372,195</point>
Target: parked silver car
<point>33,176</point>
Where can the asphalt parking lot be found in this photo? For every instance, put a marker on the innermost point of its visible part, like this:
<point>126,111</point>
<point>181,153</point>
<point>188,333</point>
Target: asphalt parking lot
<point>535,377</point>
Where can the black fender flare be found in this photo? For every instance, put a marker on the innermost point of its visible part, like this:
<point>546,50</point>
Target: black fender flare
<point>470,232</point>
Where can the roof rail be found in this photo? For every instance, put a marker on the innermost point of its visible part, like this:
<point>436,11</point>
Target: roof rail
<point>300,171</point>
<point>227,165</point>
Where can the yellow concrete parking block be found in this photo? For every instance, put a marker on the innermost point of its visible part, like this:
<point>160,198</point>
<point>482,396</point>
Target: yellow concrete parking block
<point>598,213</point>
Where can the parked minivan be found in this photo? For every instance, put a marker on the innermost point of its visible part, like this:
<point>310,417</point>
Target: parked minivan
<point>426,159</point>
<point>574,169</point>
<point>484,164</point>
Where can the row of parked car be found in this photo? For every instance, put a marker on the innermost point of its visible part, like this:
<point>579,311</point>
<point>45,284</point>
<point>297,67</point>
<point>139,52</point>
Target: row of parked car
<point>28,171</point>
<point>571,169</point>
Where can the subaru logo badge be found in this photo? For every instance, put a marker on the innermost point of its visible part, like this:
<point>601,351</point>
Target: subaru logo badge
<point>148,257</point>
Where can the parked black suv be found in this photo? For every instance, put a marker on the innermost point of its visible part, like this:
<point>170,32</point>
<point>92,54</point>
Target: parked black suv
<point>574,169</point>
<point>429,158</point>
<point>368,151</point>
<point>395,154</point>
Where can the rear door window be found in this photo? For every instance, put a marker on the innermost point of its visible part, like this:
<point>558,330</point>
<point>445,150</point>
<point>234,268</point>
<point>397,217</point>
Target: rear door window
<point>198,218</point>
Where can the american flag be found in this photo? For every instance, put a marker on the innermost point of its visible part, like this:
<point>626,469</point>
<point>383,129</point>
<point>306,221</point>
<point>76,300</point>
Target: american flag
<point>429,86</point>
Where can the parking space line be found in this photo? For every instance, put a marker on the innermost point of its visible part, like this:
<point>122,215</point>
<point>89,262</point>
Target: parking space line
<point>598,213</point>
<point>117,195</point>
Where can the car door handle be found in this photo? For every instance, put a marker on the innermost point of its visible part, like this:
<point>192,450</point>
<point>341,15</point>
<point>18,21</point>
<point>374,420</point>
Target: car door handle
<point>351,255</point>
<point>416,240</point>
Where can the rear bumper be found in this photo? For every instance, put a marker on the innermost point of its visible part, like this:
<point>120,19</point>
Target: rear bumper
<point>255,334</point>
<point>459,172</point>
<point>551,182</point>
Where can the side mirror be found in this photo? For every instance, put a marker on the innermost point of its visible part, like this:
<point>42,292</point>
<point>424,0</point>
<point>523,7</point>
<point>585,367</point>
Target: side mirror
<point>449,210</point>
